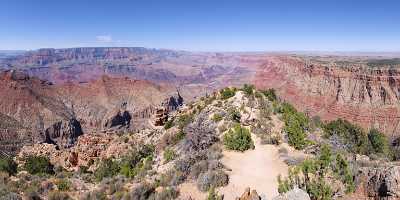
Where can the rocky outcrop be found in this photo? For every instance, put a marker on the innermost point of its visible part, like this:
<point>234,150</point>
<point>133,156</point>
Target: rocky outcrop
<point>122,119</point>
<point>249,195</point>
<point>63,133</point>
<point>168,105</point>
<point>173,102</point>
<point>380,182</point>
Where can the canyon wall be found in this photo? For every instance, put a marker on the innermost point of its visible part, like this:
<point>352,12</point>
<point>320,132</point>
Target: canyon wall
<point>367,96</point>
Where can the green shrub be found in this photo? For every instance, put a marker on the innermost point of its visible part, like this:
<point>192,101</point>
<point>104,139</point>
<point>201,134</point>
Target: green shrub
<point>184,120</point>
<point>379,142</point>
<point>137,162</point>
<point>351,135</point>
<point>169,124</point>
<point>63,184</point>
<point>39,165</point>
<point>107,168</point>
<point>217,117</point>
<point>238,139</point>
<point>248,89</point>
<point>296,125</point>
<point>8,165</point>
<point>310,175</point>
<point>227,93</point>
<point>270,94</point>
<point>169,155</point>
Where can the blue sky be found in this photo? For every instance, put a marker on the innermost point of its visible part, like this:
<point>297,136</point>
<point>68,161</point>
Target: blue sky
<point>203,25</point>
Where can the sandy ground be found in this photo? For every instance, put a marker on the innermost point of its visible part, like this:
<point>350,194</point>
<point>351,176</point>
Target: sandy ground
<point>257,169</point>
<point>189,190</point>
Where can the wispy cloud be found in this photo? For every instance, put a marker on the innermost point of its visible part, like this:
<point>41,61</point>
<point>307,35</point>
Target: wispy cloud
<point>104,38</point>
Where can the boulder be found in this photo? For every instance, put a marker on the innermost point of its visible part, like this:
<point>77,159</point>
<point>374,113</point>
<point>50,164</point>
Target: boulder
<point>294,194</point>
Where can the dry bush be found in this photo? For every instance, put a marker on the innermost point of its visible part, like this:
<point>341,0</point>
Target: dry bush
<point>209,179</point>
<point>57,195</point>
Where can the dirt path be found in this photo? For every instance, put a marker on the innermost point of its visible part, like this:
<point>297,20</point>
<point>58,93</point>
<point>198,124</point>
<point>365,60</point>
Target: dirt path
<point>257,169</point>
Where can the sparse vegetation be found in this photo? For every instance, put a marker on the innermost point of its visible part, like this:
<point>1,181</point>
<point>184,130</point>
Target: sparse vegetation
<point>312,175</point>
<point>212,179</point>
<point>38,165</point>
<point>8,165</point>
<point>238,139</point>
<point>169,155</point>
<point>63,184</point>
<point>107,168</point>
<point>270,94</point>
<point>227,93</point>
<point>248,89</point>
<point>217,117</point>
<point>169,124</point>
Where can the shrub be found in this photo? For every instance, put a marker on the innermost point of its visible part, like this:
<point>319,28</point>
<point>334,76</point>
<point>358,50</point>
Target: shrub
<point>270,94</point>
<point>8,165</point>
<point>217,117</point>
<point>296,124</point>
<point>63,184</point>
<point>184,120</point>
<point>107,168</point>
<point>352,136</point>
<point>209,179</point>
<point>167,193</point>
<point>142,191</point>
<point>379,142</point>
<point>170,139</point>
<point>39,165</point>
<point>227,93</point>
<point>213,195</point>
<point>234,115</point>
<point>169,155</point>
<point>138,162</point>
<point>169,124</point>
<point>57,195</point>
<point>238,139</point>
<point>248,89</point>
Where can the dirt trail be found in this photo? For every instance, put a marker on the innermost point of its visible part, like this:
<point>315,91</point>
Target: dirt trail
<point>257,169</point>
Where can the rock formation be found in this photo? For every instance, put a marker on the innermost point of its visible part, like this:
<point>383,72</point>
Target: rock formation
<point>247,195</point>
<point>380,182</point>
<point>354,91</point>
<point>63,133</point>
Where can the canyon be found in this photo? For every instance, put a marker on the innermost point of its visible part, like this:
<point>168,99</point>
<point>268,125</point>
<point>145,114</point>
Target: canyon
<point>55,95</point>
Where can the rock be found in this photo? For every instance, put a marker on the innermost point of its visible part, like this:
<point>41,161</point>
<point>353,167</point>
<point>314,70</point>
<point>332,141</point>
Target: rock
<point>247,195</point>
<point>380,182</point>
<point>168,105</point>
<point>173,102</point>
<point>63,133</point>
<point>294,194</point>
<point>122,119</point>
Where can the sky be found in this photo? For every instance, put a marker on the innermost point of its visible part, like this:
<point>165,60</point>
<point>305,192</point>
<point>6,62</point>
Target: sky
<point>202,25</point>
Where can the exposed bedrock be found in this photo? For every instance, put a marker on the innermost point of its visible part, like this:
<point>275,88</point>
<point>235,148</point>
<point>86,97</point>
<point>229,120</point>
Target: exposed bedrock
<point>64,133</point>
<point>367,96</point>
